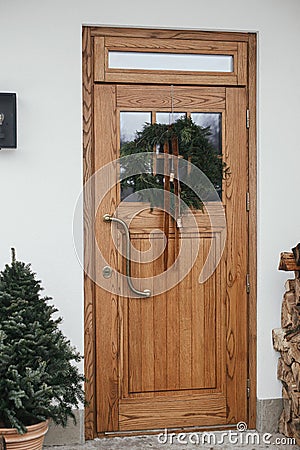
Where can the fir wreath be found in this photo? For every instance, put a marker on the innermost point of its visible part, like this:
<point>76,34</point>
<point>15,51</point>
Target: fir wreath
<point>194,146</point>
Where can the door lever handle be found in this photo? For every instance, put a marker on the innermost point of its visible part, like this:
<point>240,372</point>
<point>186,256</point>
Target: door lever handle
<point>145,292</point>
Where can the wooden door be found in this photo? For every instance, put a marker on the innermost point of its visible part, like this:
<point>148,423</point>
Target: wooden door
<point>179,357</point>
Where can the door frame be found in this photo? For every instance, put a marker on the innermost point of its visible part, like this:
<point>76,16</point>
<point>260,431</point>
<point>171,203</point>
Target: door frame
<point>90,72</point>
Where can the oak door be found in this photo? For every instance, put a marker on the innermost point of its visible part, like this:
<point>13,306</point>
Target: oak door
<point>177,358</point>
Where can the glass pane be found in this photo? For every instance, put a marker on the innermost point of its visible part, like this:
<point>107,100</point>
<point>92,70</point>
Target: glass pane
<point>214,122</point>
<point>170,61</point>
<point>130,122</point>
<point>168,117</point>
<point>199,142</point>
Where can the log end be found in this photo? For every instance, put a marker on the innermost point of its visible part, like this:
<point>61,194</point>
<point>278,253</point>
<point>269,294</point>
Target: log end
<point>287,262</point>
<point>296,253</point>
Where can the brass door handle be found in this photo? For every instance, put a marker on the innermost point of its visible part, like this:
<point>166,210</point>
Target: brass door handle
<point>145,292</point>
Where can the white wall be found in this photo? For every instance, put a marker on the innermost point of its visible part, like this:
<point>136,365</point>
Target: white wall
<point>40,44</point>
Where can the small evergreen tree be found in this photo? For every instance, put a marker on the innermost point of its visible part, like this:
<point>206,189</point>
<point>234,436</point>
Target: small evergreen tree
<point>38,377</point>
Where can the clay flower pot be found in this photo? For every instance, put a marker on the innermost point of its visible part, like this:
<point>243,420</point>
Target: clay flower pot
<point>32,440</point>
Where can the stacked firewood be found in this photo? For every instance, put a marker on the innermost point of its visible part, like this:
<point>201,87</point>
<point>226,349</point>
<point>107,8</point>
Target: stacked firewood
<point>286,340</point>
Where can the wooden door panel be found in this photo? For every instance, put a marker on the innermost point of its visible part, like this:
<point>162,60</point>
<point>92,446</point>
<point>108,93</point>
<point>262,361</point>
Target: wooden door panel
<point>172,339</point>
<point>158,97</point>
<point>106,306</point>
<point>236,254</point>
<point>178,411</point>
<point>178,358</point>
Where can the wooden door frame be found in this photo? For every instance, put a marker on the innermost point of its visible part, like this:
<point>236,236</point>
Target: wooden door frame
<point>88,73</point>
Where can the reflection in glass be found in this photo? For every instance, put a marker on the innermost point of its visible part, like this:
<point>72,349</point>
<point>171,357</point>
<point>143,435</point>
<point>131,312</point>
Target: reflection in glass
<point>170,61</point>
<point>130,122</point>
<point>198,140</point>
<point>169,117</point>
<point>214,122</point>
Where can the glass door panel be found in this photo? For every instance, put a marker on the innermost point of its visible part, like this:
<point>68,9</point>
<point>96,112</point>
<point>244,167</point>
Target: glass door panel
<point>199,141</point>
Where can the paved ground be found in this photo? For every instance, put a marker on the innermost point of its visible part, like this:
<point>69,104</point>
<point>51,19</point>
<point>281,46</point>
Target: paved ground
<point>247,440</point>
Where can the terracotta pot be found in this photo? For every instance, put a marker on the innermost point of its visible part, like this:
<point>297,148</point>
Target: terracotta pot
<point>32,440</point>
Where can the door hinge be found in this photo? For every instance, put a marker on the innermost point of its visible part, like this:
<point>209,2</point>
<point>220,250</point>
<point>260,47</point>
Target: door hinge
<point>248,283</point>
<point>248,388</point>
<point>248,118</point>
<point>247,201</point>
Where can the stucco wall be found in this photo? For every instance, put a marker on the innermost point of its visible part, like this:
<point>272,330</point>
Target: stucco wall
<point>41,60</point>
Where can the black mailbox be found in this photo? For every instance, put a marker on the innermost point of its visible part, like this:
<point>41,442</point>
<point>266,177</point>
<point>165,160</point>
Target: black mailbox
<point>8,120</point>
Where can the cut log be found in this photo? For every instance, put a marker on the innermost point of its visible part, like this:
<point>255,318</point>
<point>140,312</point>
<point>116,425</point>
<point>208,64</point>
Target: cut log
<point>286,340</point>
<point>289,298</point>
<point>290,312</point>
<point>294,351</point>
<point>295,429</point>
<point>285,374</point>
<point>287,358</point>
<point>287,404</point>
<point>297,291</point>
<point>287,262</point>
<point>286,316</point>
<point>292,333</point>
<point>290,285</point>
<point>295,398</point>
<point>280,344</point>
<point>2,443</point>
<point>296,253</point>
<point>284,426</point>
<point>295,314</point>
<point>295,366</point>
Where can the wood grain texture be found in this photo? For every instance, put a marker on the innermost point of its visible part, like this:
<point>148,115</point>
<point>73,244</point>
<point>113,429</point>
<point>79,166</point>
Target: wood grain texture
<point>171,46</point>
<point>212,321</point>
<point>252,136</point>
<point>172,339</point>
<point>242,64</point>
<point>184,98</point>
<point>237,253</point>
<point>106,303</point>
<point>167,183</point>
<point>148,350</point>
<point>160,340</point>
<point>169,77</point>
<point>189,352</point>
<point>198,313</point>
<point>99,59</point>
<point>180,411</point>
<point>88,169</point>
<point>146,220</point>
<point>138,350</point>
<point>168,34</point>
<point>287,262</point>
<point>123,320</point>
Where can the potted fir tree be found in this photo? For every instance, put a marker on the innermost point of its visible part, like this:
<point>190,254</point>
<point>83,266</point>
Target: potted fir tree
<point>38,378</point>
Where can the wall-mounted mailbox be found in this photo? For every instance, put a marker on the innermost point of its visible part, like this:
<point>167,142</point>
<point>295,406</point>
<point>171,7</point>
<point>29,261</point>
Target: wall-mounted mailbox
<point>8,120</point>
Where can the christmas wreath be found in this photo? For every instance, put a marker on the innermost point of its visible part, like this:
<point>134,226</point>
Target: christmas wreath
<point>183,138</point>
